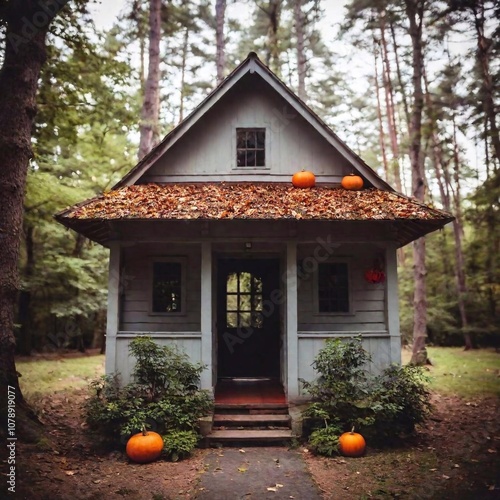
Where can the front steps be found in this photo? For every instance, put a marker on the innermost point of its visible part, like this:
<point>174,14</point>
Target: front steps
<point>250,424</point>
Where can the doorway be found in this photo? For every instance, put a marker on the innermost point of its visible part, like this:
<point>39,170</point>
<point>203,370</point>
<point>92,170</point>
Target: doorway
<point>248,319</point>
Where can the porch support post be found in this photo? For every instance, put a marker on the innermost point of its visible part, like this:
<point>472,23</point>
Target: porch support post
<point>392,303</point>
<point>113,319</point>
<point>292,361</point>
<point>206,315</point>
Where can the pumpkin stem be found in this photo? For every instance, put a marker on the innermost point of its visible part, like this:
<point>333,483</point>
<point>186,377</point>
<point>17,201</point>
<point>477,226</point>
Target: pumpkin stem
<point>144,431</point>
<point>352,430</point>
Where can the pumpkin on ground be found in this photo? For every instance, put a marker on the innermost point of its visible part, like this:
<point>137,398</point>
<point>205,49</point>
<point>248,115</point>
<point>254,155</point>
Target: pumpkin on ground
<point>352,182</point>
<point>352,444</point>
<point>144,447</point>
<point>303,179</point>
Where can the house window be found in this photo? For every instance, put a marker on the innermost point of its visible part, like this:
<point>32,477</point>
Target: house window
<point>251,147</point>
<point>244,300</point>
<point>167,287</point>
<point>333,287</point>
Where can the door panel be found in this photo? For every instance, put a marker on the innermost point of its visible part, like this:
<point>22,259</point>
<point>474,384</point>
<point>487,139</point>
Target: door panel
<point>247,319</point>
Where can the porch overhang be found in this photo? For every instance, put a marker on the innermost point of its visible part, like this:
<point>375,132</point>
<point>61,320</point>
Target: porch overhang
<point>203,209</point>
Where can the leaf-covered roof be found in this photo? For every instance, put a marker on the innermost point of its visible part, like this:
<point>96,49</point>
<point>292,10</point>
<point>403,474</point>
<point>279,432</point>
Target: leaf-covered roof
<point>250,201</point>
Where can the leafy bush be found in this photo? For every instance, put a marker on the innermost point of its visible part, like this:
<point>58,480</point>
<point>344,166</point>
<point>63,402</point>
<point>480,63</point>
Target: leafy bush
<point>179,444</point>
<point>344,394</point>
<point>325,441</point>
<point>164,396</point>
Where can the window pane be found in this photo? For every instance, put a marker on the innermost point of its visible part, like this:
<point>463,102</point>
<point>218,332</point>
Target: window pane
<point>232,302</point>
<point>245,282</point>
<point>241,157</point>
<point>232,283</point>
<point>241,139</point>
<point>250,158</point>
<point>260,158</point>
<point>251,139</point>
<point>167,287</point>
<point>333,287</point>
<point>245,319</point>
<point>245,303</point>
<point>261,139</point>
<point>250,147</point>
<point>257,320</point>
<point>257,284</point>
<point>257,303</point>
<point>232,320</point>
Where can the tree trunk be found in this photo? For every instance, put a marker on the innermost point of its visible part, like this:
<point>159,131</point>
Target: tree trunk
<point>24,56</point>
<point>24,339</point>
<point>185,46</point>
<point>273,54</point>
<point>459,233</point>
<point>381,135</point>
<point>389,102</point>
<point>149,128</point>
<point>415,11</point>
<point>299,20</point>
<point>402,86</point>
<point>484,46</point>
<point>220,14</point>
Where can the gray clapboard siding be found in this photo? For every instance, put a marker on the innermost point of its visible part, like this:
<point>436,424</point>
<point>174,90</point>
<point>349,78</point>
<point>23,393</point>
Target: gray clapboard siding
<point>378,347</point>
<point>136,297</point>
<point>125,362</point>
<point>208,150</point>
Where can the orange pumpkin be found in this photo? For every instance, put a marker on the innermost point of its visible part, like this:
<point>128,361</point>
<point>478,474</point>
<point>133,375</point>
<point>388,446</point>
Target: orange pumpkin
<point>352,444</point>
<point>303,179</point>
<point>144,447</point>
<point>352,182</point>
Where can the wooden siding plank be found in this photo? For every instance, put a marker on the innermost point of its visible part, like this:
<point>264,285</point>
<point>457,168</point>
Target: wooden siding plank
<point>292,382</point>
<point>206,315</point>
<point>393,303</point>
<point>113,312</point>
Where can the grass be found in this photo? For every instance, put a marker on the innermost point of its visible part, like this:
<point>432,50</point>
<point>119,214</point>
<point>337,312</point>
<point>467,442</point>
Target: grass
<point>474,373</point>
<point>44,376</point>
<point>454,371</point>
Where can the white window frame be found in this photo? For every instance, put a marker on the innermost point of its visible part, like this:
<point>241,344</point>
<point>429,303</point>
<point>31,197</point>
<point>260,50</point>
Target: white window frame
<point>267,148</point>
<point>174,260</point>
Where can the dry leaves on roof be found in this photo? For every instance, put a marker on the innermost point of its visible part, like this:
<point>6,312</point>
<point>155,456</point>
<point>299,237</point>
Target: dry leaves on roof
<point>250,201</point>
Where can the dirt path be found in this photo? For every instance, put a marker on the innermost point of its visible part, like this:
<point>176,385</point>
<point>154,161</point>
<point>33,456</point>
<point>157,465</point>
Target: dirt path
<point>456,456</point>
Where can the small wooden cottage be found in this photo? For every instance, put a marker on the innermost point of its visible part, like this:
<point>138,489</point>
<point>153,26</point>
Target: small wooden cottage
<point>214,250</point>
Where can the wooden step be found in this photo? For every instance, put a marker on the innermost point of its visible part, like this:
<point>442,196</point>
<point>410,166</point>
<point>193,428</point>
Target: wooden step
<point>251,419</point>
<point>252,408</point>
<point>227,436</point>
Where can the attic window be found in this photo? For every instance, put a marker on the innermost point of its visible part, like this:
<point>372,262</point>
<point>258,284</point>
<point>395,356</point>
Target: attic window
<point>251,147</point>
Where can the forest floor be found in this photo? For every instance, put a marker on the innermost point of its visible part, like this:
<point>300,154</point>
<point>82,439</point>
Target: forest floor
<point>455,455</point>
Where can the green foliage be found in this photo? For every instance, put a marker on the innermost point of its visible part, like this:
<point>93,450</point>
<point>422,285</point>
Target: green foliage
<point>325,441</point>
<point>179,444</point>
<point>164,396</point>
<point>341,389</point>
<point>399,399</point>
<point>345,395</point>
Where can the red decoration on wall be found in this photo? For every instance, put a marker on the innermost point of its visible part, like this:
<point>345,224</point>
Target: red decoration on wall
<point>376,274</point>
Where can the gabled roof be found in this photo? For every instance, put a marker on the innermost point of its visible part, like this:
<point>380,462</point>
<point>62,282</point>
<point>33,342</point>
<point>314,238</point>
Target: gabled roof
<point>253,65</point>
<point>251,201</point>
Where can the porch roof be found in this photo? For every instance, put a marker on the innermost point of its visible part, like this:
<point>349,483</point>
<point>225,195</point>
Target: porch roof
<point>250,201</point>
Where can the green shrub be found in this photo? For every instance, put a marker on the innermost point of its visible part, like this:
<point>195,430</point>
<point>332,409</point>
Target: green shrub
<point>179,444</point>
<point>344,394</point>
<point>164,396</point>
<point>325,441</point>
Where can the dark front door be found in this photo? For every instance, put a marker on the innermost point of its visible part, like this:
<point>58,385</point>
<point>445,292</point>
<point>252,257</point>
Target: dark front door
<point>248,322</point>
